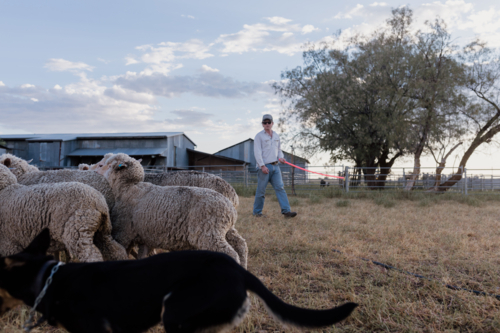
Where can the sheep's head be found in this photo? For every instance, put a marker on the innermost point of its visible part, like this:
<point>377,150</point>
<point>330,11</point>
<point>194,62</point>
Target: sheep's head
<point>83,167</point>
<point>7,178</point>
<point>122,169</point>
<point>17,165</point>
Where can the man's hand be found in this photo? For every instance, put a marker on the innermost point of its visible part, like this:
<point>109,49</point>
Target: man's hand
<point>282,160</point>
<point>264,169</point>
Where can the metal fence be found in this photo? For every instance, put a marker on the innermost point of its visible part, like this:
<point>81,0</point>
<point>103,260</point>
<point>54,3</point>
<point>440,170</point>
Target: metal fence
<point>473,181</point>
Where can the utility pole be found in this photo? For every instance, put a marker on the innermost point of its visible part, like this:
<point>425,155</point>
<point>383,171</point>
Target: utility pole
<point>293,172</point>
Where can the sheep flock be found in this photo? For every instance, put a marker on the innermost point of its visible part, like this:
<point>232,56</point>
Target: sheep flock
<point>104,211</point>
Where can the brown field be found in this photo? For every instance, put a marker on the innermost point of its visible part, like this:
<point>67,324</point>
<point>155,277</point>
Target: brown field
<point>450,239</point>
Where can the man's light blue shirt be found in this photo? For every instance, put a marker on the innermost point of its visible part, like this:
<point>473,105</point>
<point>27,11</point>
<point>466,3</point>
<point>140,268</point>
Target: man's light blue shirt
<point>267,149</point>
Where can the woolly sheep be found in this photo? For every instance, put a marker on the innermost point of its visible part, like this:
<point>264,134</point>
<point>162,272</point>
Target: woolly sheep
<point>30,175</point>
<point>170,217</point>
<point>178,178</point>
<point>196,179</point>
<point>76,214</point>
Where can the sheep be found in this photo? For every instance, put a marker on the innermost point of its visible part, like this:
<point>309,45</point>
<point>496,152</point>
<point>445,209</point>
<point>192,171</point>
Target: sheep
<point>76,214</point>
<point>179,178</point>
<point>196,179</point>
<point>169,217</point>
<point>30,175</point>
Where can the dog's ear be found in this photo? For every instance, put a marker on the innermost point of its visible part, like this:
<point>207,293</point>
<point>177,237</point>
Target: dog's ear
<point>7,162</point>
<point>40,244</point>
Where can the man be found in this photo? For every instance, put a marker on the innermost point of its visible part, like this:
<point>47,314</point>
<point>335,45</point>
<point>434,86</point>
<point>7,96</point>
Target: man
<point>267,150</point>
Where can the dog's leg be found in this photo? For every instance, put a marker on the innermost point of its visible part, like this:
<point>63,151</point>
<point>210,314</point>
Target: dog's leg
<point>239,245</point>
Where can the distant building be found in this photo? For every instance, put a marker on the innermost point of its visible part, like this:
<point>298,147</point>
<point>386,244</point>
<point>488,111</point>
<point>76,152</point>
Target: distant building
<point>167,149</point>
<point>4,149</point>
<point>244,151</point>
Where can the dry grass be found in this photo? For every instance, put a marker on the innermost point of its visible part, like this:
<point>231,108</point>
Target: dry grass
<point>453,242</point>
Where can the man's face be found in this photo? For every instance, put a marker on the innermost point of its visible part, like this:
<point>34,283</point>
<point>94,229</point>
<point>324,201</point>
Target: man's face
<point>267,124</point>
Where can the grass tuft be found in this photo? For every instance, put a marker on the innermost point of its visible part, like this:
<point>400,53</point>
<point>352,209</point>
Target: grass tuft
<point>343,203</point>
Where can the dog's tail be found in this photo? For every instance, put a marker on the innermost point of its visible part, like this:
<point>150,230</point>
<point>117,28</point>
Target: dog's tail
<point>292,315</point>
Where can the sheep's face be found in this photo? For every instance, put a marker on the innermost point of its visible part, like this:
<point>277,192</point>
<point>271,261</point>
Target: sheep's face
<point>17,165</point>
<point>123,169</point>
<point>7,178</point>
<point>101,167</point>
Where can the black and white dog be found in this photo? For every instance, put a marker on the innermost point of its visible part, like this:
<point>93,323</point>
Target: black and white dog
<point>189,291</point>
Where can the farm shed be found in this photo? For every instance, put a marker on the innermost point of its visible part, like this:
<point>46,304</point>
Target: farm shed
<point>165,149</point>
<point>244,151</point>
<point>201,161</point>
<point>4,149</point>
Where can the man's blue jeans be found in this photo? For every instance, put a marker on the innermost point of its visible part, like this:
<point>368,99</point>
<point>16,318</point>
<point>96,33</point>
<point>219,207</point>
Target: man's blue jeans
<point>273,177</point>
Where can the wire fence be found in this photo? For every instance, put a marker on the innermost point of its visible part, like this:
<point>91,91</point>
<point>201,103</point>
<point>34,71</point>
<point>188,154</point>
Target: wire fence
<point>468,181</point>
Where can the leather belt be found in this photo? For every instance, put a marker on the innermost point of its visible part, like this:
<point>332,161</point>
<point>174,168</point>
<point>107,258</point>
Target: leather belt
<point>274,163</point>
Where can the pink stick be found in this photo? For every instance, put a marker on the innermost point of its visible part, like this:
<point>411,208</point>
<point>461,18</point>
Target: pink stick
<point>322,174</point>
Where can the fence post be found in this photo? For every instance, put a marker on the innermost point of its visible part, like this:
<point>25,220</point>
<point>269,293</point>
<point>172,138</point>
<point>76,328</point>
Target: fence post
<point>404,178</point>
<point>465,177</point>
<point>346,180</point>
<point>246,175</point>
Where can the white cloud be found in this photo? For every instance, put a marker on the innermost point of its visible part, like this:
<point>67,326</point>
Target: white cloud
<point>188,16</point>
<point>2,84</point>
<point>380,4</point>
<point>356,11</point>
<point>60,65</point>
<point>161,58</point>
<point>206,83</point>
<point>57,87</point>
<point>84,106</point>
<point>206,68</point>
<point>27,85</point>
<point>278,20</point>
<point>308,29</point>
<point>277,36</point>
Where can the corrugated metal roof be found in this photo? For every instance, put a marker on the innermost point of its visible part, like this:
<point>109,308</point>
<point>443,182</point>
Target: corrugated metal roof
<point>128,151</point>
<point>68,137</point>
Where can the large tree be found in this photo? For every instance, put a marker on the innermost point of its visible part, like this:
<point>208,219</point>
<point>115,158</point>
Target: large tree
<point>482,112</point>
<point>437,78</point>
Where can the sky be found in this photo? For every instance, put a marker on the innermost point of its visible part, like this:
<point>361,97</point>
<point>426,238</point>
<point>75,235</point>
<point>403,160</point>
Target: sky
<point>200,67</point>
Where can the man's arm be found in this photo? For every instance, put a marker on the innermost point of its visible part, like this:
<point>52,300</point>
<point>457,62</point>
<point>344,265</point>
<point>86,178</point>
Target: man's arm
<point>257,150</point>
<point>281,156</point>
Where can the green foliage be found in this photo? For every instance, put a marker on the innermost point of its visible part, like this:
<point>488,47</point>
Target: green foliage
<point>294,201</point>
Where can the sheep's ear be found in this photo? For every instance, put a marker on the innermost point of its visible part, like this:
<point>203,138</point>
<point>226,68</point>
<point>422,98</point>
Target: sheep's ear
<point>121,166</point>
<point>29,161</point>
<point>139,160</point>
<point>40,244</point>
<point>85,167</point>
<point>7,162</point>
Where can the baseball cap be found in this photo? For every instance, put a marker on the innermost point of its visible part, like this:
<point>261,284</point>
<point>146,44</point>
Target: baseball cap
<point>267,116</point>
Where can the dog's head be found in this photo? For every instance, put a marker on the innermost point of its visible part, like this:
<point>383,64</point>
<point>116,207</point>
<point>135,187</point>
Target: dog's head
<point>18,272</point>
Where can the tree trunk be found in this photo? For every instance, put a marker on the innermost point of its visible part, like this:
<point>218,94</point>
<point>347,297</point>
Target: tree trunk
<point>476,143</point>
<point>441,166</point>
